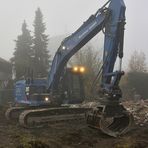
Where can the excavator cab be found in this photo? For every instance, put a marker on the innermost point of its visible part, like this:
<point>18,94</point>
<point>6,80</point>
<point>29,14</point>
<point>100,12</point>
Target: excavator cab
<point>72,85</point>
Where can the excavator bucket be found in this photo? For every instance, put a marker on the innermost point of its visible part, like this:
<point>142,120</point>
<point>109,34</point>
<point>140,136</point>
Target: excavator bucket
<point>109,122</point>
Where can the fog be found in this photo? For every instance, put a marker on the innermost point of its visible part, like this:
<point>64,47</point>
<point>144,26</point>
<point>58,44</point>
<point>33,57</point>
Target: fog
<point>65,16</point>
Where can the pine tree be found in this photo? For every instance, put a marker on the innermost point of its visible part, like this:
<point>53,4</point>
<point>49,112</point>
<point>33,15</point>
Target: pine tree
<point>40,40</point>
<point>23,52</point>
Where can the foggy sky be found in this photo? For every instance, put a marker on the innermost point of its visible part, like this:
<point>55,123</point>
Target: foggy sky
<point>65,16</point>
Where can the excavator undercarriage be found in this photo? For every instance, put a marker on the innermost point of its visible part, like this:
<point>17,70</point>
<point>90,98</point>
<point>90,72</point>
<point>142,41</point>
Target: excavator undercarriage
<point>37,118</point>
<point>113,120</point>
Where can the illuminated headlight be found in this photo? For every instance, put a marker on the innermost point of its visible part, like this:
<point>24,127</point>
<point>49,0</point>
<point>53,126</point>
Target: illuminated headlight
<point>75,69</point>
<point>82,69</point>
<point>46,99</point>
<point>63,47</point>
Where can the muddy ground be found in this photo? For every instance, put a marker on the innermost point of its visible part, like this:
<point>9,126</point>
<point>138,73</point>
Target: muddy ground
<point>67,135</point>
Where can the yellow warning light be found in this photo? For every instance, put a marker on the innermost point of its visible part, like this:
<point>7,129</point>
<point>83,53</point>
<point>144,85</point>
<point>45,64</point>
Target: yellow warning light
<point>75,69</point>
<point>82,69</point>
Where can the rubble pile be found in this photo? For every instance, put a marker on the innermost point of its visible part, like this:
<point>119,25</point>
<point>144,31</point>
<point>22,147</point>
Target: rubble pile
<point>139,109</point>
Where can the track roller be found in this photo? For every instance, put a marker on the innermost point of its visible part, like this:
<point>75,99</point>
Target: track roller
<point>111,120</point>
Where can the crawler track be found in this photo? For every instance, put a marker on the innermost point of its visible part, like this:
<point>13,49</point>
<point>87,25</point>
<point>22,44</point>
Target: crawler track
<point>13,113</point>
<point>41,117</point>
<point>35,117</point>
<point>111,120</point>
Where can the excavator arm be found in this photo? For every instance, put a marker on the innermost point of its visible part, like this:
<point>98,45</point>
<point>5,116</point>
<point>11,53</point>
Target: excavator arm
<point>110,116</point>
<point>112,19</point>
<point>73,43</point>
<point>113,47</point>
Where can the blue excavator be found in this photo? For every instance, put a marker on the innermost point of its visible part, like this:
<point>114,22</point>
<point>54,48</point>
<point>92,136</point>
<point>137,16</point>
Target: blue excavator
<point>110,116</point>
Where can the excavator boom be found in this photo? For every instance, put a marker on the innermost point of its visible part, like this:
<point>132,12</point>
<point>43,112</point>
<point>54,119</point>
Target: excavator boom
<point>73,43</point>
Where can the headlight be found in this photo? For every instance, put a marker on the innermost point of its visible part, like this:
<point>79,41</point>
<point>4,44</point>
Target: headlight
<point>82,69</point>
<point>75,69</point>
<point>46,99</point>
<point>63,47</point>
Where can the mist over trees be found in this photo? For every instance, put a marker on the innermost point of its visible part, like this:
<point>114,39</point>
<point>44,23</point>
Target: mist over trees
<point>23,51</point>
<point>31,51</point>
<point>91,60</point>
<point>137,62</point>
<point>135,82</point>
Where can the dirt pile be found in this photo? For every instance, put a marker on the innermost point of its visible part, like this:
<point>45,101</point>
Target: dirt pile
<point>139,110</point>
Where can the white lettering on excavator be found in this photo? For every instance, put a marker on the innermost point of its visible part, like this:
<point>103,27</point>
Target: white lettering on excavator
<point>92,25</point>
<point>90,28</point>
<point>83,34</point>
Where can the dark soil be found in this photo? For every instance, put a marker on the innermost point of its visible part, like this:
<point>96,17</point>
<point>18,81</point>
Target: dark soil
<point>67,135</point>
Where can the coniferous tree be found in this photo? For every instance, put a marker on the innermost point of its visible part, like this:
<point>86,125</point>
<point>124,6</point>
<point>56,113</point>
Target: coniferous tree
<point>23,52</point>
<point>41,54</point>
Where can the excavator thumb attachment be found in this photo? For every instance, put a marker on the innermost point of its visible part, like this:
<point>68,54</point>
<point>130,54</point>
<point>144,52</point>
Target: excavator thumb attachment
<point>111,120</point>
